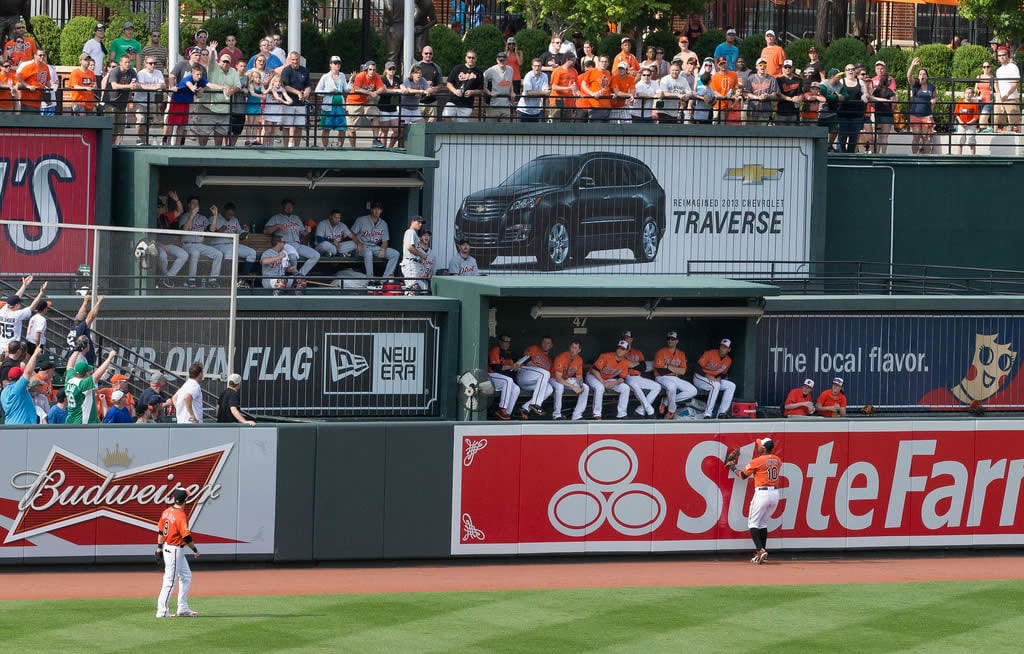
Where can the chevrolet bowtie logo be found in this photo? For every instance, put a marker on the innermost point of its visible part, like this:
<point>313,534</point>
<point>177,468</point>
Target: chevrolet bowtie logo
<point>753,174</point>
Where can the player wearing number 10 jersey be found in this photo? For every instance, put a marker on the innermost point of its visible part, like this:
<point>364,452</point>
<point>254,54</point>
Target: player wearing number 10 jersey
<point>764,468</point>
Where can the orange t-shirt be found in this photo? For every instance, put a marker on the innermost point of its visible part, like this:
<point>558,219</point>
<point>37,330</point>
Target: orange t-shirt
<point>966,113</point>
<point>365,82</point>
<point>7,78</point>
<point>775,55</point>
<point>598,81</point>
<point>826,399</point>
<point>81,77</point>
<point>630,59</point>
<point>713,364</point>
<point>538,358</point>
<point>765,469</point>
<point>796,395</point>
<point>17,54</point>
<point>496,359</point>
<point>173,524</point>
<point>984,88</point>
<point>622,84</point>
<point>568,366</point>
<point>563,76</point>
<point>664,358</point>
<point>608,367</point>
<point>38,78</point>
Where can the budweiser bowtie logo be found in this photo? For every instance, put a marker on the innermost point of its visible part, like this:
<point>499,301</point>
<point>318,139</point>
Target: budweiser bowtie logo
<point>70,490</point>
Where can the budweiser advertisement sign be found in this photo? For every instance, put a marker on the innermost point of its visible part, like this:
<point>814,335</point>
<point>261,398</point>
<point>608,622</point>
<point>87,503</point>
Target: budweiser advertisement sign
<point>662,488</point>
<point>47,176</point>
<point>109,500</point>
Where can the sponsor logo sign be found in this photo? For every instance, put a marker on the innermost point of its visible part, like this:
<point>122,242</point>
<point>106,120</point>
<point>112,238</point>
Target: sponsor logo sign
<point>644,489</point>
<point>901,362</point>
<point>390,363</point>
<point>47,176</point>
<point>86,492</point>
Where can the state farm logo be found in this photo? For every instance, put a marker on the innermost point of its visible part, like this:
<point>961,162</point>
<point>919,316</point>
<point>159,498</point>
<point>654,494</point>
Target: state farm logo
<point>69,490</point>
<point>607,469</point>
<point>344,364</point>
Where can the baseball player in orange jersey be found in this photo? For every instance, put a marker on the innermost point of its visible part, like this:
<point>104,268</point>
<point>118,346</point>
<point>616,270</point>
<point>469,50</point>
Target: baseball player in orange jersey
<point>534,375</point>
<point>609,372</point>
<point>172,538</point>
<point>832,403</point>
<point>714,365</point>
<point>499,362</point>
<point>669,366</point>
<point>798,401</point>
<point>764,468</point>
<point>646,390</point>
<point>567,374</point>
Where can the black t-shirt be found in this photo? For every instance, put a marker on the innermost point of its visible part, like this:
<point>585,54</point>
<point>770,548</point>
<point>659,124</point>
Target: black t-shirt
<point>121,96</point>
<point>818,69</point>
<point>467,79</point>
<point>6,366</point>
<point>431,73</point>
<point>388,102</point>
<point>297,78</point>
<point>789,87</point>
<point>229,398</point>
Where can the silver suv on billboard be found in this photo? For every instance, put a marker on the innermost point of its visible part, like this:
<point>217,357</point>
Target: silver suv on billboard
<point>560,207</point>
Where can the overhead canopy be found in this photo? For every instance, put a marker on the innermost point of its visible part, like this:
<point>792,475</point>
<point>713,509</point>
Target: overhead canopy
<point>948,3</point>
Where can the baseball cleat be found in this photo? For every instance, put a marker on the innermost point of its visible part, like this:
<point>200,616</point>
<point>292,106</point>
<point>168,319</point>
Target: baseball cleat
<point>762,556</point>
<point>502,414</point>
<point>164,615</point>
<point>537,411</point>
<point>756,559</point>
<point>523,414</point>
<point>188,614</point>
<point>670,416</point>
<point>662,408</point>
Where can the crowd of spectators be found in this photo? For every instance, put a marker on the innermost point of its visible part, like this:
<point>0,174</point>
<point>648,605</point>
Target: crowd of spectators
<point>272,96</point>
<point>31,392</point>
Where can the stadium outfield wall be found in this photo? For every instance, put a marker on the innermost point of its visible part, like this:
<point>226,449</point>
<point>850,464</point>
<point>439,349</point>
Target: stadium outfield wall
<point>387,490</point>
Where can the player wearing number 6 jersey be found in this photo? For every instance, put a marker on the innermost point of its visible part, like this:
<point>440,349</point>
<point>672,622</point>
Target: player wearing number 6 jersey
<point>764,468</point>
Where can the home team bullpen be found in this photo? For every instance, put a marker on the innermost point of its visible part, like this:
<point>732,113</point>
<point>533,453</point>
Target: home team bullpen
<point>924,617</point>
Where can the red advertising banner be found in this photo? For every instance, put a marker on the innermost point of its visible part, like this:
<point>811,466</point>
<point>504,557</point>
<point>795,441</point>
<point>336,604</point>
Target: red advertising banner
<point>661,488</point>
<point>46,176</point>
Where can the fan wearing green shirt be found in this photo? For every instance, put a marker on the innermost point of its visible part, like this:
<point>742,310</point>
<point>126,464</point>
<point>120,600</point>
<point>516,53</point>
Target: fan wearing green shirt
<point>80,386</point>
<point>121,44</point>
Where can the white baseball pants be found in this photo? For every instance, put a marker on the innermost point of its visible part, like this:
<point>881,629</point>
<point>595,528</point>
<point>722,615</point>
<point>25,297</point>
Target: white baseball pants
<point>534,379</point>
<point>722,387</point>
<point>582,395</point>
<point>676,391</point>
<point>506,389</point>
<point>175,568</point>
<point>646,391</point>
<point>762,506</point>
<point>595,385</point>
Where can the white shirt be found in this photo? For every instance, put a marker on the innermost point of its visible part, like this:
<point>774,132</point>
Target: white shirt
<point>533,82</point>
<point>189,392</point>
<point>1007,74</point>
<point>10,325</point>
<point>94,49</point>
<point>36,324</point>
<point>147,78</point>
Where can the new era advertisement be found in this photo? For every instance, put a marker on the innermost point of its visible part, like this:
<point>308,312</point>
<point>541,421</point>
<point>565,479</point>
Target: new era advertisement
<point>47,176</point>
<point>904,362</point>
<point>638,204</point>
<point>101,492</point>
<point>639,488</point>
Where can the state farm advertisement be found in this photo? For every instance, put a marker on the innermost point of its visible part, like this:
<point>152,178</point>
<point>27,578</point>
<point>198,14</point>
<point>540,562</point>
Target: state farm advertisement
<point>47,176</point>
<point>652,204</point>
<point>100,492</point>
<point>639,488</point>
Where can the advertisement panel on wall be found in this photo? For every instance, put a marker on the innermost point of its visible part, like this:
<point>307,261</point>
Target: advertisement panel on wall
<point>905,362</point>
<point>622,203</point>
<point>640,488</point>
<point>99,492</point>
<point>47,176</point>
<point>293,364</point>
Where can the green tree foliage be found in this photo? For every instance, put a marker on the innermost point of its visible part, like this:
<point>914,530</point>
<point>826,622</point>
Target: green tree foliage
<point>591,16</point>
<point>76,32</point>
<point>664,39</point>
<point>896,62</point>
<point>47,34</point>
<point>751,47</point>
<point>1004,16</point>
<point>609,44</point>
<point>448,48</point>
<point>797,51</point>
<point>346,42</point>
<point>487,41</point>
<point>938,60</point>
<point>967,61</point>
<point>314,49</point>
<point>706,44</point>
<point>845,51</point>
<point>220,26</point>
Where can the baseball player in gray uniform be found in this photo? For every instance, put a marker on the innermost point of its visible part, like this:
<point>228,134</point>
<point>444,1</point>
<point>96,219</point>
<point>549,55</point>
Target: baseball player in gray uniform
<point>194,224</point>
<point>333,237</point>
<point>227,223</point>
<point>372,238</point>
<point>412,256</point>
<point>292,229</point>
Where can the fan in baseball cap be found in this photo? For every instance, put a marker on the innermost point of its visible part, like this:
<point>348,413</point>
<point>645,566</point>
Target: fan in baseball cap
<point>13,301</point>
<point>180,495</point>
<point>838,381</point>
<point>809,383</point>
<point>15,373</point>
<point>623,345</point>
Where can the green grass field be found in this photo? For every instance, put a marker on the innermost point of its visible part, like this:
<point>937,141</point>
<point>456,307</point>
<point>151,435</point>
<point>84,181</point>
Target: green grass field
<point>981,617</point>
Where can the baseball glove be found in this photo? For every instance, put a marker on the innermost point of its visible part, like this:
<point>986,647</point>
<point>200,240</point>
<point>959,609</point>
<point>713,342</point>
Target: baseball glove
<point>731,458</point>
<point>976,409</point>
<point>160,556</point>
<point>867,409</point>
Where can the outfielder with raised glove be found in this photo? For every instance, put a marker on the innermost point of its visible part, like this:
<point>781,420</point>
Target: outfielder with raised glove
<point>765,467</point>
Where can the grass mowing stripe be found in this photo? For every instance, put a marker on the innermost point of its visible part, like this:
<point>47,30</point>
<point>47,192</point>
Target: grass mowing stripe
<point>933,617</point>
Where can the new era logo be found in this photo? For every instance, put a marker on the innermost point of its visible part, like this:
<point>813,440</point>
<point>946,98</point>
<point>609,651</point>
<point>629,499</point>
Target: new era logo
<point>345,364</point>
